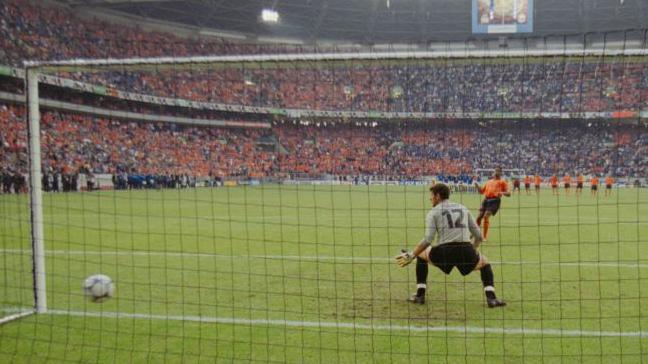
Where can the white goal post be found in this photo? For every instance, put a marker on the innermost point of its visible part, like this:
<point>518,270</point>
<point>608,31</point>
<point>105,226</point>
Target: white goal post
<point>304,57</point>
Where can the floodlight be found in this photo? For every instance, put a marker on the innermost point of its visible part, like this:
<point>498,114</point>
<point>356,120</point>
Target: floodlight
<point>269,16</point>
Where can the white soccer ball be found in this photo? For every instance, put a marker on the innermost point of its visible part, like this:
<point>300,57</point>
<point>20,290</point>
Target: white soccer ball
<point>98,287</point>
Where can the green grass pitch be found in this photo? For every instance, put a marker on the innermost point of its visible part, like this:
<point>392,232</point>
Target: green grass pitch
<point>306,274</point>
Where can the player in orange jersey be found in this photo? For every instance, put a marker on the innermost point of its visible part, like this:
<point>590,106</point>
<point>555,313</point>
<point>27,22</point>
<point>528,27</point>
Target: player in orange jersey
<point>554,184</point>
<point>579,184</point>
<point>493,191</point>
<point>567,182</point>
<point>609,181</point>
<point>537,181</point>
<point>527,184</point>
<point>594,181</point>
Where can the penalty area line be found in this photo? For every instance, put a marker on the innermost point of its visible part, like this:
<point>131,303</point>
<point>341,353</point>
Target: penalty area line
<point>355,326</point>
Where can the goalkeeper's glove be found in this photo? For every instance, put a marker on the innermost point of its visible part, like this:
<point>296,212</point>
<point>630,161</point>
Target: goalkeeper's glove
<point>404,258</point>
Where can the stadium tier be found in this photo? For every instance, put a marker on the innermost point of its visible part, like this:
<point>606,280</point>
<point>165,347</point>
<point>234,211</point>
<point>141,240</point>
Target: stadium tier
<point>33,31</point>
<point>558,84</point>
<point>74,141</point>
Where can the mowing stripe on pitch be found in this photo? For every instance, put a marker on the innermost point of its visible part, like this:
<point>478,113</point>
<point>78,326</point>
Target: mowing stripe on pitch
<point>310,258</point>
<point>356,326</point>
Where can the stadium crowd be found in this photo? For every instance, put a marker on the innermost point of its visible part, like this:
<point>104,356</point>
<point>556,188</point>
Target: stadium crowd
<point>29,31</point>
<point>41,31</point>
<point>173,155</point>
<point>572,86</point>
<point>73,143</point>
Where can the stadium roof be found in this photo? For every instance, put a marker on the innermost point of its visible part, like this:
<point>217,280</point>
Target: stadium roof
<point>372,21</point>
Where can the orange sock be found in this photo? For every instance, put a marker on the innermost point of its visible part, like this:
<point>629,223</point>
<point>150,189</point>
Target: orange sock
<point>486,225</point>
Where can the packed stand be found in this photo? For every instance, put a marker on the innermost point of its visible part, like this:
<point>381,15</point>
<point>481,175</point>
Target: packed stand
<point>77,143</point>
<point>456,88</point>
<point>170,155</point>
<point>558,84</point>
<point>31,31</point>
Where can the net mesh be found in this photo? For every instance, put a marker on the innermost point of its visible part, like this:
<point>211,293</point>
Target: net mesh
<point>251,211</point>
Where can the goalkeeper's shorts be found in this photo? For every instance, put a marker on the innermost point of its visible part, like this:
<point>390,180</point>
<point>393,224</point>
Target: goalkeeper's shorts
<point>449,255</point>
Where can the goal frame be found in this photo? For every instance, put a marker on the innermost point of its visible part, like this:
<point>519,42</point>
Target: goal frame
<point>34,69</point>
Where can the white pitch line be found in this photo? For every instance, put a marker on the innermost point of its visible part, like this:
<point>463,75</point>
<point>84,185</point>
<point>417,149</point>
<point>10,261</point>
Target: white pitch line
<point>310,258</point>
<point>337,325</point>
<point>357,326</point>
<point>19,314</point>
<point>198,255</point>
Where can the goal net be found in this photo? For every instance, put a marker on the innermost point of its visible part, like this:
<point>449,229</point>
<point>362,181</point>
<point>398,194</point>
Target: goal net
<point>250,207</point>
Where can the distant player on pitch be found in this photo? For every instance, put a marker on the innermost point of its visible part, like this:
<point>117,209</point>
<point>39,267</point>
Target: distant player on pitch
<point>493,191</point>
<point>554,184</point>
<point>609,181</point>
<point>454,225</point>
<point>594,181</point>
<point>567,182</point>
<point>527,184</point>
<point>579,184</point>
<point>516,184</point>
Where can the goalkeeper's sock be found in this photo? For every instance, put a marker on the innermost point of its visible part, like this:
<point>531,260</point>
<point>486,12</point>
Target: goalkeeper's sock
<point>486,225</point>
<point>420,289</point>
<point>488,280</point>
<point>489,291</point>
<point>421,276</point>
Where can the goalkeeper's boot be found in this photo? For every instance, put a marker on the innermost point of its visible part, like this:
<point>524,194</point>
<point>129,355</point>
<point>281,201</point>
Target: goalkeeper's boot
<point>494,302</point>
<point>415,299</point>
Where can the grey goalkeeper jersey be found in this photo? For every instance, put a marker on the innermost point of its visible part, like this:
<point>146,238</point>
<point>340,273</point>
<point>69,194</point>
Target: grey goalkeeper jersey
<point>453,222</point>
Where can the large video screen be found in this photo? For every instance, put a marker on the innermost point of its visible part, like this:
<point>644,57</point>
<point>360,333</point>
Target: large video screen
<point>502,16</point>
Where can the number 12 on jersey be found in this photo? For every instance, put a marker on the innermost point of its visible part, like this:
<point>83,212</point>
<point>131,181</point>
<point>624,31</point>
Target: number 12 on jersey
<point>458,221</point>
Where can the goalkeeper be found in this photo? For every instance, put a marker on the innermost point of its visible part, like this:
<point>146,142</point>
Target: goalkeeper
<point>454,224</point>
